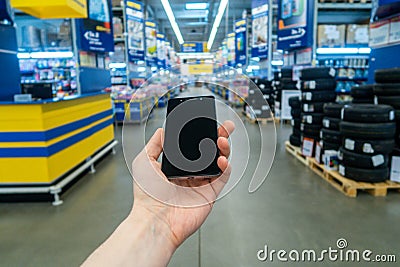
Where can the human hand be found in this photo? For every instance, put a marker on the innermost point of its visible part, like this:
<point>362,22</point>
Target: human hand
<point>181,206</point>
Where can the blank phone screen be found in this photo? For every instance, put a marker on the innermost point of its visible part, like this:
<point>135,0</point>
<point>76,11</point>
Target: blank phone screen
<point>189,122</point>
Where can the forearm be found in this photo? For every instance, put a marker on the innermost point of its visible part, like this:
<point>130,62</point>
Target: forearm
<point>140,240</point>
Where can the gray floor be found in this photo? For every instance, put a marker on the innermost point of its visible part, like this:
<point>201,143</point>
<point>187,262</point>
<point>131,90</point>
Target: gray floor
<point>293,209</point>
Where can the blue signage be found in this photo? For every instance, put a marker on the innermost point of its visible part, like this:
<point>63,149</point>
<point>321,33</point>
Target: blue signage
<point>259,12</point>
<point>295,24</point>
<point>5,11</point>
<point>95,33</point>
<point>241,42</point>
<point>194,47</point>
<point>230,44</point>
<point>135,29</point>
<point>151,43</point>
<point>161,60</point>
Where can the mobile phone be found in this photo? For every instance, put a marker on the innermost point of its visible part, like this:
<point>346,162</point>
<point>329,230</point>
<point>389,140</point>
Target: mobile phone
<point>190,139</point>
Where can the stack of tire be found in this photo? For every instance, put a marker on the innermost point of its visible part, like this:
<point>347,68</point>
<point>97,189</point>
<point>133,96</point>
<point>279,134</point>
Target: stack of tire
<point>317,88</point>
<point>285,82</point>
<point>387,91</point>
<point>331,138</point>
<point>363,94</point>
<point>368,138</point>
<point>295,137</point>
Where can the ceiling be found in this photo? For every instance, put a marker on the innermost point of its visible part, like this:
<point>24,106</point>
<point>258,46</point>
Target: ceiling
<point>195,25</point>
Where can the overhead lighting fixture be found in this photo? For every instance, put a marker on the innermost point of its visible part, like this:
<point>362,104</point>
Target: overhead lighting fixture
<point>117,65</point>
<point>171,17</point>
<point>277,62</point>
<point>141,69</point>
<point>347,50</point>
<point>44,55</point>
<point>196,6</point>
<point>217,22</point>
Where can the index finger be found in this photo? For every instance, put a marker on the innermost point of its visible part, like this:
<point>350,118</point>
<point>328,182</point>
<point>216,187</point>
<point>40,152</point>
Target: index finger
<point>226,129</point>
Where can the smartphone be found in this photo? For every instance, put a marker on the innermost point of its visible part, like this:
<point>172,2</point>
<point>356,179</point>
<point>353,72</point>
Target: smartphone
<point>190,139</point>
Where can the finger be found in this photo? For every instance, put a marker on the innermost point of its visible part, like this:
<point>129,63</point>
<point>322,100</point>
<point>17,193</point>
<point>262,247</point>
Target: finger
<point>224,147</point>
<point>222,163</point>
<point>226,129</point>
<point>219,184</point>
<point>154,146</point>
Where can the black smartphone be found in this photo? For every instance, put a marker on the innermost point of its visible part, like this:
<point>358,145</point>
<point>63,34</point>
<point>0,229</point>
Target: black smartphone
<point>190,140</point>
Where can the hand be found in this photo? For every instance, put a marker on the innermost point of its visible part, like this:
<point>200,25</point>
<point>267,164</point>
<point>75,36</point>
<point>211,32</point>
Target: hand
<point>181,206</point>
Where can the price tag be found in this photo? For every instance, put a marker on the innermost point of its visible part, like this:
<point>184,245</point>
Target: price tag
<point>367,148</point>
<point>349,144</point>
<point>378,160</point>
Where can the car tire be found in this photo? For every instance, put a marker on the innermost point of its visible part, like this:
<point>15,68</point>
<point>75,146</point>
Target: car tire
<point>310,129</point>
<point>318,96</point>
<point>287,73</point>
<point>296,113</point>
<point>310,74</point>
<point>387,75</point>
<point>381,89</point>
<point>296,132</point>
<point>369,146</point>
<point>393,101</point>
<point>312,118</point>
<point>368,113</point>
<point>333,110</point>
<point>331,123</point>
<point>296,123</point>
<point>295,140</point>
<point>329,146</point>
<point>369,131</point>
<point>351,159</point>
<point>363,101</point>
<point>294,102</point>
<point>362,91</point>
<point>364,175</point>
<point>331,136</point>
<point>317,107</point>
<point>319,85</point>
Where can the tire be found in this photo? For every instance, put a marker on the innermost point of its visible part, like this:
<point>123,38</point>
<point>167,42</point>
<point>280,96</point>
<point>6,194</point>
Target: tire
<point>362,91</point>
<point>286,73</point>
<point>351,159</point>
<point>330,136</point>
<point>331,123</point>
<point>310,129</point>
<point>329,146</point>
<point>368,113</point>
<point>295,140</point>
<point>296,113</point>
<point>381,89</point>
<point>294,102</point>
<point>319,96</point>
<point>333,110</point>
<point>296,123</point>
<point>393,101</point>
<point>363,101</point>
<point>369,146</point>
<point>363,175</point>
<point>387,75</point>
<point>373,131</point>
<point>317,107</point>
<point>310,74</point>
<point>312,118</point>
<point>319,85</point>
<point>296,132</point>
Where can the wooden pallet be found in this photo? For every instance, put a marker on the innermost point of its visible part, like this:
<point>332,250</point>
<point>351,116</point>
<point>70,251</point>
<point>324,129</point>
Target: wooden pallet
<point>349,187</point>
<point>259,120</point>
<point>296,152</point>
<point>279,120</point>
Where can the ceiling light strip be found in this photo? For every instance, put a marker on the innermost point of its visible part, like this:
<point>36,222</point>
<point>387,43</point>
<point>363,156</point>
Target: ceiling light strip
<point>171,17</point>
<point>217,22</point>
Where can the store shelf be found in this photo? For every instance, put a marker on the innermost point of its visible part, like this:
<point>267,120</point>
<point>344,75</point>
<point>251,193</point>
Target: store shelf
<point>119,39</point>
<point>344,6</point>
<point>117,9</point>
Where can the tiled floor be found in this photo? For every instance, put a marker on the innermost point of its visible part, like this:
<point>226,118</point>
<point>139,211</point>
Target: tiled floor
<point>293,209</point>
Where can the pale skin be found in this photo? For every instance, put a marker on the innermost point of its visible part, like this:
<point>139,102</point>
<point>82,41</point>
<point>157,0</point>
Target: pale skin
<point>154,230</point>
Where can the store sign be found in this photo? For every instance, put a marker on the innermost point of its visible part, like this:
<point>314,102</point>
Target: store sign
<point>241,42</point>
<point>5,11</point>
<point>95,33</point>
<point>197,69</point>
<point>53,9</point>
<point>295,24</point>
<point>230,44</point>
<point>161,60</point>
<point>259,12</point>
<point>151,43</point>
<point>135,29</point>
<point>194,47</point>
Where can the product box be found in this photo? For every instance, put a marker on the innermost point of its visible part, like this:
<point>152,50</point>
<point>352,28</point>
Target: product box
<point>331,35</point>
<point>379,33</point>
<point>394,31</point>
<point>331,160</point>
<point>357,34</point>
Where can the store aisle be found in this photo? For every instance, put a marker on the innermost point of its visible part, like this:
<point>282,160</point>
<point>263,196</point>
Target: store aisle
<point>294,209</point>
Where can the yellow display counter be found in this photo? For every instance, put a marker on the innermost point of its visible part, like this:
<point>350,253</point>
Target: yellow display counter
<point>43,143</point>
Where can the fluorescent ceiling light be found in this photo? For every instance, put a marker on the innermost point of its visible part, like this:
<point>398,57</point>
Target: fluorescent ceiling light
<point>277,62</point>
<point>364,50</point>
<point>52,54</point>
<point>337,50</point>
<point>196,6</point>
<point>171,17</point>
<point>117,65</point>
<point>217,22</point>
